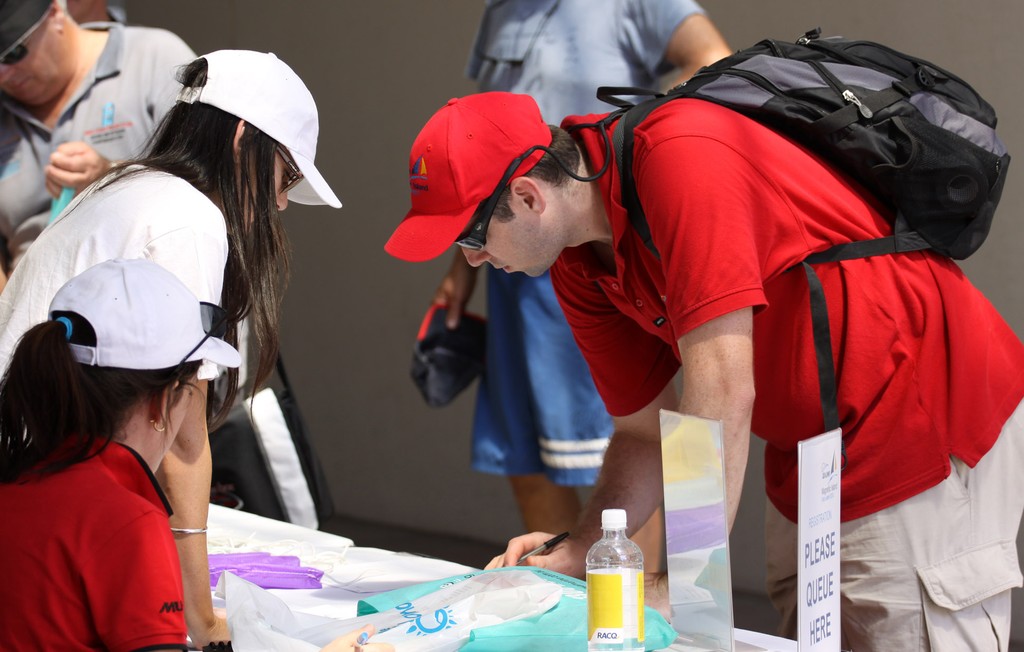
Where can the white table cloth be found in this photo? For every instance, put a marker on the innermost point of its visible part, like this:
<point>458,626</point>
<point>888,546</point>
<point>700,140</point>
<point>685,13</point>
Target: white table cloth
<point>352,572</point>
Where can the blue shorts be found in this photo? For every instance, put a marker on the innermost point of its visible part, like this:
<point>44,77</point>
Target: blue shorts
<point>537,409</point>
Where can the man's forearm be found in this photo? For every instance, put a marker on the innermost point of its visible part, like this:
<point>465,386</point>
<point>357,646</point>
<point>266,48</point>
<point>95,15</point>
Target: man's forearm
<point>734,413</point>
<point>737,450</point>
<point>630,479</point>
<point>718,383</point>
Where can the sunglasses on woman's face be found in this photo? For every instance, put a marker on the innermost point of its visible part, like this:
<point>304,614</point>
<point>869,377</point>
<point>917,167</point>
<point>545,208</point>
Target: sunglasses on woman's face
<point>292,173</point>
<point>215,324</point>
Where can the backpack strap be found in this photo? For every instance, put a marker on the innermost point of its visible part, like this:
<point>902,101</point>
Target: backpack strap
<point>822,348</point>
<point>902,239</point>
<point>613,95</point>
<point>823,353</point>
<point>628,117</point>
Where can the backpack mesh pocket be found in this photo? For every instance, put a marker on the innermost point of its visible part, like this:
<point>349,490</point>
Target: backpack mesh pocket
<point>948,187</point>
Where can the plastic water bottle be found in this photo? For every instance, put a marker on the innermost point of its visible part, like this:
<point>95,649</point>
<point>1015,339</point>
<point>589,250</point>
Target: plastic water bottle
<point>615,588</point>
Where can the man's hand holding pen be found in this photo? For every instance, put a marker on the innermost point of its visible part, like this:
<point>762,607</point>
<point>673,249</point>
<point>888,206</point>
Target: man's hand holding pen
<point>544,547</point>
<point>560,553</point>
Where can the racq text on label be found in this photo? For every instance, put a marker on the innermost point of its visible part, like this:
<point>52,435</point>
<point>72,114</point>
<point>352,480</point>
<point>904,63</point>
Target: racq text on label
<point>820,549</point>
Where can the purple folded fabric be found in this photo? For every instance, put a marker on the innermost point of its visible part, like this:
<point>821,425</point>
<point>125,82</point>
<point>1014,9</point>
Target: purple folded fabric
<point>695,528</point>
<point>265,570</point>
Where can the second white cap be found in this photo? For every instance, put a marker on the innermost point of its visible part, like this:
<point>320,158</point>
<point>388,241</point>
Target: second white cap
<point>613,519</point>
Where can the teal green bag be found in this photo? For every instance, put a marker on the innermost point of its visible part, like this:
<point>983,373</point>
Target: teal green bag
<point>560,629</point>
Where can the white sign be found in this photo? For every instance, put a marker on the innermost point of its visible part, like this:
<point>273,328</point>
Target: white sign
<point>696,531</point>
<point>820,463</point>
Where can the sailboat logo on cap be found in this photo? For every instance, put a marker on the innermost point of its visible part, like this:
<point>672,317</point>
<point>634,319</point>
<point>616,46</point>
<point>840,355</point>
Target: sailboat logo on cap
<point>418,176</point>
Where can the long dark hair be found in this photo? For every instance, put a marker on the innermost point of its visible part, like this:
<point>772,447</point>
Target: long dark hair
<point>195,142</point>
<point>49,403</point>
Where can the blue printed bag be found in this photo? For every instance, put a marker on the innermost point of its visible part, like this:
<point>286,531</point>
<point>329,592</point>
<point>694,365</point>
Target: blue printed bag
<point>560,629</point>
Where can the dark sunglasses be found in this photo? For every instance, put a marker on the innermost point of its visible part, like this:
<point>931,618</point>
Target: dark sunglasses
<point>19,50</point>
<point>14,55</point>
<point>475,235</point>
<point>215,324</point>
<point>293,175</point>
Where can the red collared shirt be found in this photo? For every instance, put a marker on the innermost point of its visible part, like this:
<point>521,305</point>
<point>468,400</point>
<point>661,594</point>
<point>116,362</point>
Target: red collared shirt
<point>925,366</point>
<point>88,560</point>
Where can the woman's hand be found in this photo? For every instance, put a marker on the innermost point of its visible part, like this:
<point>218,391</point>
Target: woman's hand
<point>358,640</point>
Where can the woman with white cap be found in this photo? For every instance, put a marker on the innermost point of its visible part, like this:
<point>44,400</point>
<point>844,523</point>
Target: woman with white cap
<point>203,202</point>
<point>89,406</point>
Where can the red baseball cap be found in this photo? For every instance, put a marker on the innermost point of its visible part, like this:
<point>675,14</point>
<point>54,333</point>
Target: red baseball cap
<point>455,163</point>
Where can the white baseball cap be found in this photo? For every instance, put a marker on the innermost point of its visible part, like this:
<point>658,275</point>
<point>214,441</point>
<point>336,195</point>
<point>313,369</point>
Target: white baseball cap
<point>143,318</point>
<point>265,92</point>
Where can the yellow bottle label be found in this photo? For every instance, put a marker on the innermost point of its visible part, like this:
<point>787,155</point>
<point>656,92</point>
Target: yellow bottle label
<point>604,602</point>
<point>640,605</point>
<point>615,606</point>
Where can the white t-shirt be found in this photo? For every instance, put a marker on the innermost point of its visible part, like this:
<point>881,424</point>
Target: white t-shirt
<point>151,215</point>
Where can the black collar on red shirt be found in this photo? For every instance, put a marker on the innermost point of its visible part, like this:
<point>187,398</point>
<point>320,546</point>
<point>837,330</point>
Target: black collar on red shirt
<point>142,490</point>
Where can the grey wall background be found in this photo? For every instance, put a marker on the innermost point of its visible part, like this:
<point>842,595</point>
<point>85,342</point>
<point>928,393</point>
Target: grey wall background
<point>378,70</point>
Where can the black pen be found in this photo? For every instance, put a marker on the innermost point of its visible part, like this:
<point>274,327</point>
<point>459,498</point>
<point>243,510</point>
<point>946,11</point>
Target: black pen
<point>547,545</point>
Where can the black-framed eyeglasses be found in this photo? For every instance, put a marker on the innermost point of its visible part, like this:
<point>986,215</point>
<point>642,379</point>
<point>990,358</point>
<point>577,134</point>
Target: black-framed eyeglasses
<point>475,235</point>
<point>215,324</point>
<point>19,50</point>
<point>292,173</point>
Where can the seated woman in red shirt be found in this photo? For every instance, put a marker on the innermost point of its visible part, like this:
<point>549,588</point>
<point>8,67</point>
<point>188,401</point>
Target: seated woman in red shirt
<point>90,404</point>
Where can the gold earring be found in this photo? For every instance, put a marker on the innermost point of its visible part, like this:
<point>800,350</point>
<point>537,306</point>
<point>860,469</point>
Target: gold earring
<point>153,421</point>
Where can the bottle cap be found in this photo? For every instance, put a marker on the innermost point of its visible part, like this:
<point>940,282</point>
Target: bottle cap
<point>613,519</point>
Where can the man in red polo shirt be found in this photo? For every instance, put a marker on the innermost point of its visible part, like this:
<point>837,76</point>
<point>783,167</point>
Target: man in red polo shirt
<point>930,378</point>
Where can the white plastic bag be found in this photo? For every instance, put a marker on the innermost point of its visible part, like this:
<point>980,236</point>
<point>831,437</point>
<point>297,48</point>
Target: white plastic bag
<point>440,621</point>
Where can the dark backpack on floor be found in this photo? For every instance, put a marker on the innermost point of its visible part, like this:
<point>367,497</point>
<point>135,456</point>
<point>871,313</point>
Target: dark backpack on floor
<point>917,136</point>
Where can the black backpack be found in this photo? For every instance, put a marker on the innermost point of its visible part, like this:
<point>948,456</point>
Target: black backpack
<point>917,136</point>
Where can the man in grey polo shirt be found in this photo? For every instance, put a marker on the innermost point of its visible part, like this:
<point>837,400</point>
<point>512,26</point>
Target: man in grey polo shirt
<point>72,100</point>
